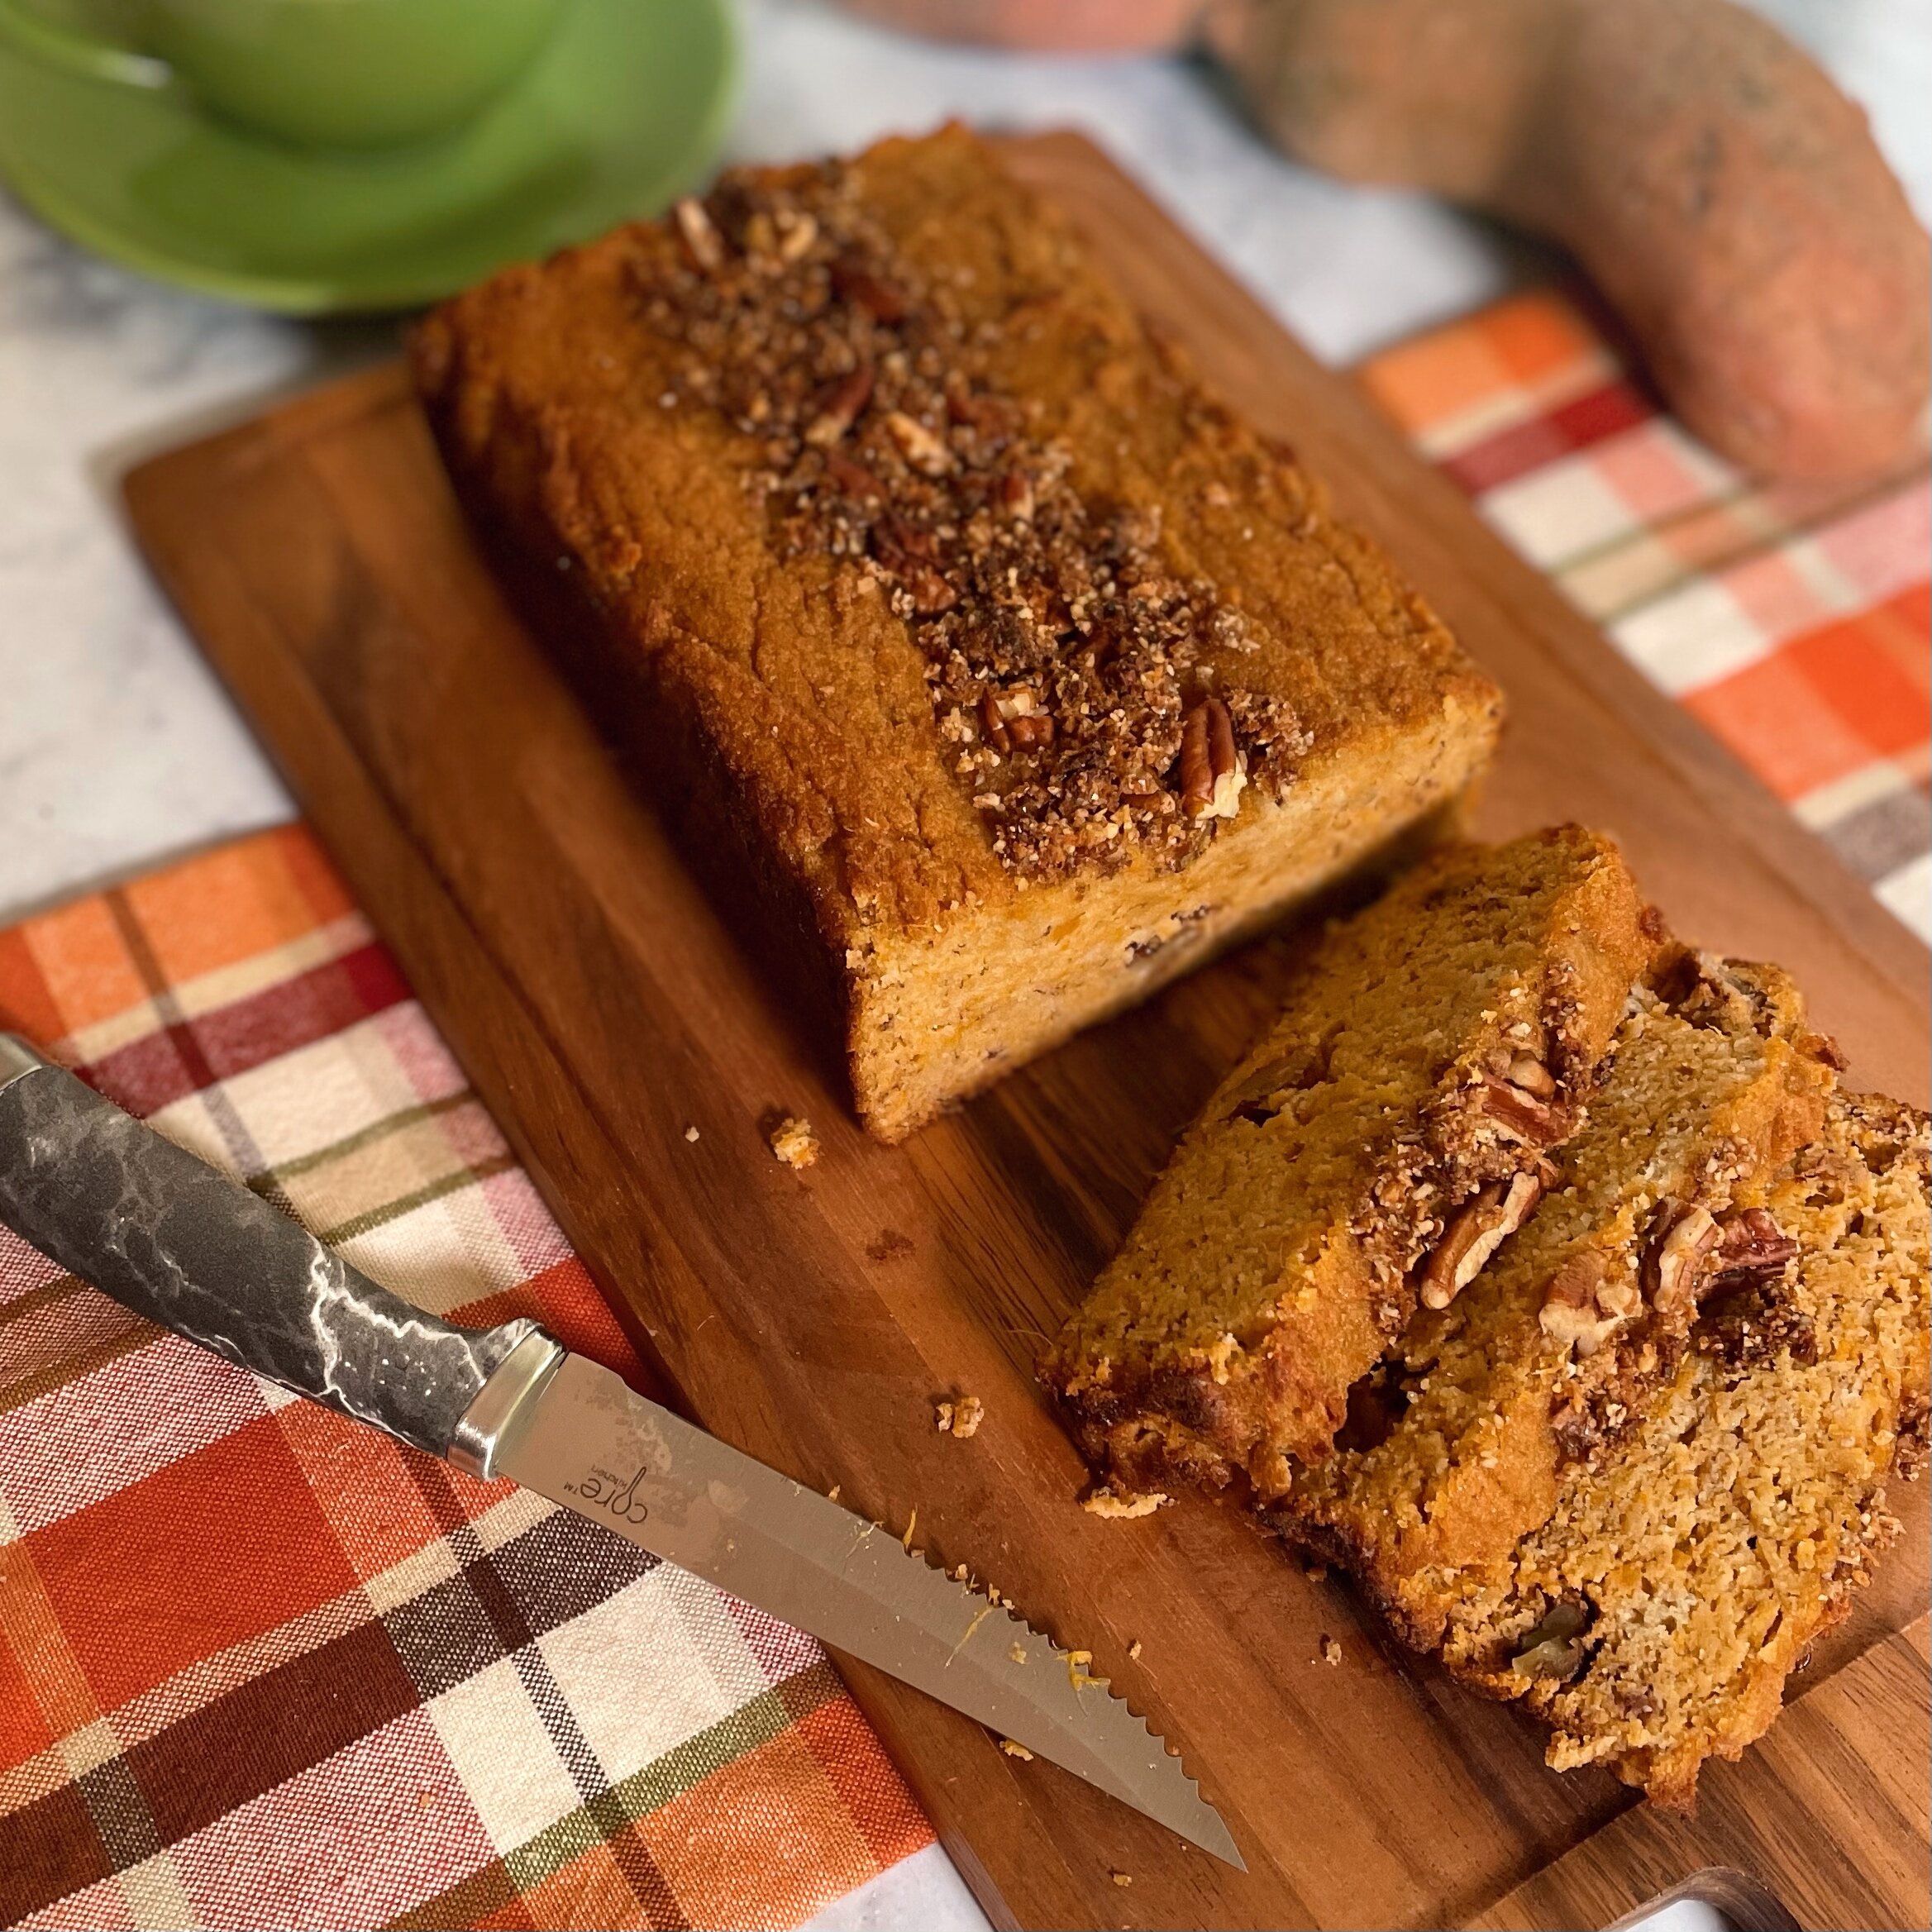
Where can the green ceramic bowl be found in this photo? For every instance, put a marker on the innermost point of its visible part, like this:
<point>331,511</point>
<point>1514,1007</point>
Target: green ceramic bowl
<point>625,106</point>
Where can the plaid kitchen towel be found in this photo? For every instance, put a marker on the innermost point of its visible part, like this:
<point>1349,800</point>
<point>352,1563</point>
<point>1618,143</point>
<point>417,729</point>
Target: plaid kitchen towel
<point>1792,619</point>
<point>259,1667</point>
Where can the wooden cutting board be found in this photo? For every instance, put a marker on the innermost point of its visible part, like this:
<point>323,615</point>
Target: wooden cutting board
<point>813,1320</point>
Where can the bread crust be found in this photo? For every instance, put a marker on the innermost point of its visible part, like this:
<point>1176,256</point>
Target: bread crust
<point>785,707</point>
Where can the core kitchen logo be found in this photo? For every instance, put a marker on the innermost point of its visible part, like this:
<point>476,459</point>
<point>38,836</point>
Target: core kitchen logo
<point>616,1495</point>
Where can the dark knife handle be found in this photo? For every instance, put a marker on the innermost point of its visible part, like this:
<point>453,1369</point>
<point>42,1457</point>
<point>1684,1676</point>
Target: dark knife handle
<point>170,1238</point>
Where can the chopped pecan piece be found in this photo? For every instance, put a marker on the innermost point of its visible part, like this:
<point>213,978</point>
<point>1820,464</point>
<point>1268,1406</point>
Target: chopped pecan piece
<point>1754,1249</point>
<point>930,591</point>
<point>1554,1649</point>
<point>797,229</point>
<point>1013,722</point>
<point>1298,1069</point>
<point>838,405</point>
<point>879,299</point>
<point>1679,1254</point>
<point>1582,1307</point>
<point>919,446</point>
<point>1016,495</point>
<point>1474,1233</point>
<point>699,235</point>
<point>854,479</point>
<point>1520,1115</point>
<point>1530,1073</point>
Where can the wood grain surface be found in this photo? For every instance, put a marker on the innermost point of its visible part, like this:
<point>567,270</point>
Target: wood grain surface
<point>601,1008</point>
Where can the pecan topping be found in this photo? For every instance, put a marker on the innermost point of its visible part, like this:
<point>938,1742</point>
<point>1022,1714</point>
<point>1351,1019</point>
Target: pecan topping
<point>1679,1254</point>
<point>884,300</point>
<point>883,440</point>
<point>853,479</point>
<point>929,592</point>
<point>1582,1307</point>
<point>1520,1115</point>
<point>797,230</point>
<point>1212,771</point>
<point>1013,722</point>
<point>1474,1233</point>
<point>699,235</point>
<point>1753,1250</point>
<point>838,406</point>
<point>918,445</point>
<point>1530,1073</point>
<point>1756,1324</point>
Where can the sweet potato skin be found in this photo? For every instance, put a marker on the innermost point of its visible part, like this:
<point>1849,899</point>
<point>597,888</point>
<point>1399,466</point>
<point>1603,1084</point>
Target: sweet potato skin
<point>1717,187</point>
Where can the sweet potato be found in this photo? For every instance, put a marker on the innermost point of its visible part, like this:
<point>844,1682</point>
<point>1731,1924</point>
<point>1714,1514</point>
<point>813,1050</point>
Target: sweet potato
<point>1720,191</point>
<point>1043,27</point>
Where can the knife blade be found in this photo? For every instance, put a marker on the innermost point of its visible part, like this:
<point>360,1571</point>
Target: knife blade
<point>171,1238</point>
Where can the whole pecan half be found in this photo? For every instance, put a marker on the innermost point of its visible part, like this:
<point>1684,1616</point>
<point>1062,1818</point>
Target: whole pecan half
<point>1474,1233</point>
<point>1211,772</point>
<point>1520,1115</point>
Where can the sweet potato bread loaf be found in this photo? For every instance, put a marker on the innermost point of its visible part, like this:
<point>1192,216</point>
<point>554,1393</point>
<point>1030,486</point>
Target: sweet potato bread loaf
<point>1373,1148</point>
<point>941,604</point>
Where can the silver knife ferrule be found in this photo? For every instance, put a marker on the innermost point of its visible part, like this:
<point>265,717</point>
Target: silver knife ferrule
<point>503,1405</point>
<point>17,1060</point>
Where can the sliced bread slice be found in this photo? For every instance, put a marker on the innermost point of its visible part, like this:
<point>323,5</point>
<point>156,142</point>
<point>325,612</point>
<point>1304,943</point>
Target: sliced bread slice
<point>1374,1147</point>
<point>1653,1619</point>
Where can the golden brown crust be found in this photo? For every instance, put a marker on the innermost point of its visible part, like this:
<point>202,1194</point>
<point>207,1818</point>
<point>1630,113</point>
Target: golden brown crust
<point>783,692</point>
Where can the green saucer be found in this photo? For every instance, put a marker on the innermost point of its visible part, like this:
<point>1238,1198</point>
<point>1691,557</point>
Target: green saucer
<point>625,107</point>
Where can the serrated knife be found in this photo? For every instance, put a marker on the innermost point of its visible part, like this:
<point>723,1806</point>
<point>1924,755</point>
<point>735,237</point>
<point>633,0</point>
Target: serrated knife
<point>172,1238</point>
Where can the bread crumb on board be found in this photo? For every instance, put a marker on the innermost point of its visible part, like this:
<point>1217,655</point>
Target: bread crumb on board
<point>690,1133</point>
<point>1121,1877</point>
<point>1014,1750</point>
<point>1331,1649</point>
<point>961,1419</point>
<point>794,1143</point>
<point>1120,1508</point>
<point>1133,1650</point>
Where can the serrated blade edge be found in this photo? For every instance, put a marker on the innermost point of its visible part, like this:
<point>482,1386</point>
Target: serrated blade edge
<point>593,1444</point>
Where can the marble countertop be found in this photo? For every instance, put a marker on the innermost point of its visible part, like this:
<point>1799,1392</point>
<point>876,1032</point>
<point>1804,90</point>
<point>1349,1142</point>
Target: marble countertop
<point>118,749</point>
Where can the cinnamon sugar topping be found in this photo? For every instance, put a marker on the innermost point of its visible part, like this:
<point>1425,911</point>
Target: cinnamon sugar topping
<point>1068,667</point>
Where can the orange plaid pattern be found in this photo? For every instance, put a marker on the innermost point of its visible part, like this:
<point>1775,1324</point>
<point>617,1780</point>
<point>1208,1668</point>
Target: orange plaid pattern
<point>379,1693</point>
<point>1792,619</point>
